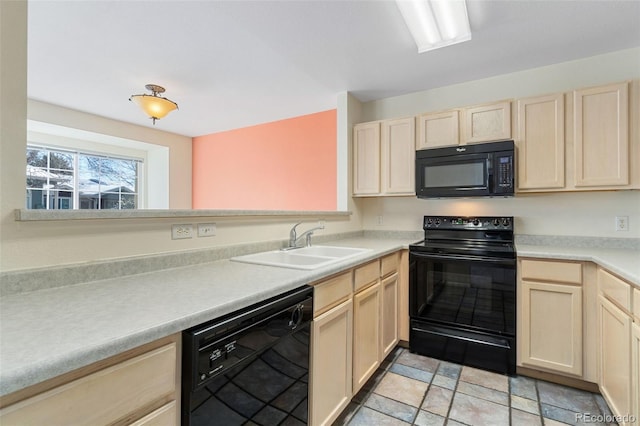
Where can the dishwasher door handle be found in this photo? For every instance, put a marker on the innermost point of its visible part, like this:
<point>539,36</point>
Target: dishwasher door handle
<point>296,317</point>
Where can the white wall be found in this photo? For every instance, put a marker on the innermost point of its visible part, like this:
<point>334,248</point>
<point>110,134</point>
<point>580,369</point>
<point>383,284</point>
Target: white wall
<point>583,214</point>
<point>576,214</point>
<point>25,245</point>
<point>611,67</point>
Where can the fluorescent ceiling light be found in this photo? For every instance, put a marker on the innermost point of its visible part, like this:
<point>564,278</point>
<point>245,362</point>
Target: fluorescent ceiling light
<point>436,23</point>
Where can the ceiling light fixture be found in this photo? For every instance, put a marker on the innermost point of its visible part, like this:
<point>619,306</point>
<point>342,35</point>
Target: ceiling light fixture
<point>436,23</point>
<point>154,105</point>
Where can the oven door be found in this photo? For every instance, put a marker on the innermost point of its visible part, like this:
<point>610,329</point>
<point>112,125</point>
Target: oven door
<point>474,293</point>
<point>453,176</point>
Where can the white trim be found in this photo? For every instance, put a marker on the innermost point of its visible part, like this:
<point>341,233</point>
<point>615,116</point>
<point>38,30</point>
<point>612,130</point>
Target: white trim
<point>153,192</point>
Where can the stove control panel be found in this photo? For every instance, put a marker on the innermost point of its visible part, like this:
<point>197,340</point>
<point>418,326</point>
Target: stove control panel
<point>468,223</point>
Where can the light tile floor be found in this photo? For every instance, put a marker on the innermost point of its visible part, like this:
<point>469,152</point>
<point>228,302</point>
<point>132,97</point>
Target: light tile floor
<point>410,389</point>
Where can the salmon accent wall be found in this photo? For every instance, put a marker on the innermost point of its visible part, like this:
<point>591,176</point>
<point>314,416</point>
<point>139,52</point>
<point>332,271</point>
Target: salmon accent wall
<point>284,165</point>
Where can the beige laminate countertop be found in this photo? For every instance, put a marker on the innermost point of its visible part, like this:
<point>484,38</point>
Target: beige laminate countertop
<point>622,262</point>
<point>50,332</point>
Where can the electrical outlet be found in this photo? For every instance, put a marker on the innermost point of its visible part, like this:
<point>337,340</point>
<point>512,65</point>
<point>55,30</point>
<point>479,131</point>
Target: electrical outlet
<point>206,229</point>
<point>622,223</point>
<point>380,220</point>
<point>180,232</point>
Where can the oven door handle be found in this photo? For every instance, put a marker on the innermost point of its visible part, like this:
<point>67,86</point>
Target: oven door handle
<point>493,260</point>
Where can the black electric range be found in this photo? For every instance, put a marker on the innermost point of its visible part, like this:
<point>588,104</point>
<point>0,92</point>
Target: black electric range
<point>462,292</point>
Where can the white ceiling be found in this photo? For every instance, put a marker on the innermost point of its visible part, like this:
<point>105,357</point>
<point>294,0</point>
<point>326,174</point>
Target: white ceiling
<point>231,64</point>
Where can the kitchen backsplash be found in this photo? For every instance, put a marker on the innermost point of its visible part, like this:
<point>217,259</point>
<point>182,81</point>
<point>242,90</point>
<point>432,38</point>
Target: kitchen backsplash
<point>574,241</point>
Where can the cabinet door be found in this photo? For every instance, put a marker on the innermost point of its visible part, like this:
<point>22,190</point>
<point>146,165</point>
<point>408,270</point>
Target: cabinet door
<point>389,315</point>
<point>635,370</point>
<point>551,319</point>
<point>601,127</point>
<point>540,142</point>
<point>488,122</point>
<point>331,363</point>
<point>403,296</point>
<point>366,335</point>
<point>366,159</point>
<point>398,156</point>
<point>103,397</point>
<point>614,332</point>
<point>438,130</point>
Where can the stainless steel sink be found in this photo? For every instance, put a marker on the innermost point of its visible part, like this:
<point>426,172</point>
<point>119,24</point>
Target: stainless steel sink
<point>302,258</point>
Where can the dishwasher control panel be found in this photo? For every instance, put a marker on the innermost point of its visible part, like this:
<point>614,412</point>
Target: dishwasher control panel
<point>216,347</point>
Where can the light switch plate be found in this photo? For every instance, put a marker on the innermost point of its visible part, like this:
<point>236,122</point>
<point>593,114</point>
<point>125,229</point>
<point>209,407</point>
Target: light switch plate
<point>206,229</point>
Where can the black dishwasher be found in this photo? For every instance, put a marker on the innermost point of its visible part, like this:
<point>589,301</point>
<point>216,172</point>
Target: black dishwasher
<point>251,366</point>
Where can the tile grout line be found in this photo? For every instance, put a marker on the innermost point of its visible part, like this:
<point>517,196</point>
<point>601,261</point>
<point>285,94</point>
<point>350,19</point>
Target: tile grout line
<point>453,395</point>
<point>422,401</point>
<point>535,385</point>
<point>509,400</point>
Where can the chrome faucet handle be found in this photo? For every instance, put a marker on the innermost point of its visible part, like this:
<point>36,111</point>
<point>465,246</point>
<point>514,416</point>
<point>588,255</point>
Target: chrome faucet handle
<point>309,238</point>
<point>293,236</point>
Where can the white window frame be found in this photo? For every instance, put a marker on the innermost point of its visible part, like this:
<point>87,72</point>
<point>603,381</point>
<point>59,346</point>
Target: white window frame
<point>140,183</point>
<point>154,190</point>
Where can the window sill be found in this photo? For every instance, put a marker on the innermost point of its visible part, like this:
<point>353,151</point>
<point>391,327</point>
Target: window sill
<point>25,215</point>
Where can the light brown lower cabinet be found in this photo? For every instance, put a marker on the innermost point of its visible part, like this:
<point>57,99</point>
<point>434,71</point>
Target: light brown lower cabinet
<point>356,324</point>
<point>614,331</point>
<point>331,363</point>
<point>389,327</point>
<point>163,416</point>
<point>635,369</point>
<point>366,335</point>
<point>550,316</point>
<point>141,390</point>
<point>553,336</point>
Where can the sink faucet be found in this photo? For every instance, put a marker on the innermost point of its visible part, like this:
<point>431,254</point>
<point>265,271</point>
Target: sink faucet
<point>293,236</point>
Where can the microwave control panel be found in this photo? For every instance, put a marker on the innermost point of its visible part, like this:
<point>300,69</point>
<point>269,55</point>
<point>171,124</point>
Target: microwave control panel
<point>504,172</point>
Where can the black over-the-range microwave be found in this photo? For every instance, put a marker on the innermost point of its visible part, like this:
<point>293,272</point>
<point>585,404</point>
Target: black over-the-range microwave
<point>482,170</point>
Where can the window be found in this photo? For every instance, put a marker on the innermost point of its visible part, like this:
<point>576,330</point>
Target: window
<point>59,179</point>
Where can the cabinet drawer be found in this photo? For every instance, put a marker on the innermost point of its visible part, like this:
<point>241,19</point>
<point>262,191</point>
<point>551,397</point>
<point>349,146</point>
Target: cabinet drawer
<point>166,415</point>
<point>547,270</point>
<point>327,294</point>
<point>366,274</point>
<point>636,304</point>
<point>614,289</point>
<point>103,397</point>
<point>389,264</point>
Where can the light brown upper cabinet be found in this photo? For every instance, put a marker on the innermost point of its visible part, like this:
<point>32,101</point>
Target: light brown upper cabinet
<point>578,141</point>
<point>540,142</point>
<point>437,130</point>
<point>398,156</point>
<point>601,127</point>
<point>384,158</point>
<point>480,123</point>
<point>487,122</point>
<point>366,158</point>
